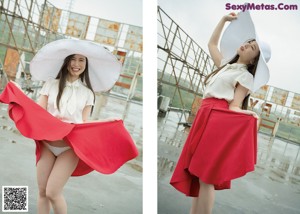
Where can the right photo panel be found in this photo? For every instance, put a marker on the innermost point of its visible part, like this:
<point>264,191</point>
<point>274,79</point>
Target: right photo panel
<point>228,107</point>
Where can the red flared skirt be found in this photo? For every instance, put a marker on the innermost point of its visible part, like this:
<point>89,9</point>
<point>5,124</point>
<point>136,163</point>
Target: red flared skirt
<point>100,146</point>
<point>221,146</point>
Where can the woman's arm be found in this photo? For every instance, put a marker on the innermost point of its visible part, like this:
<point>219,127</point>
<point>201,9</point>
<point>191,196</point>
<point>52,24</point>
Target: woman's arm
<point>214,39</point>
<point>239,94</point>
<point>86,112</point>
<point>43,101</point>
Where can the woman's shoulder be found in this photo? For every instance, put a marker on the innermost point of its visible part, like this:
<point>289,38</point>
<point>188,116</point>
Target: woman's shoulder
<point>247,75</point>
<point>224,62</point>
<point>48,86</point>
<point>51,81</point>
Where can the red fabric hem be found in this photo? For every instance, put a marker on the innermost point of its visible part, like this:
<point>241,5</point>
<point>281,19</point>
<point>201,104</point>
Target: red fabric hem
<point>100,146</point>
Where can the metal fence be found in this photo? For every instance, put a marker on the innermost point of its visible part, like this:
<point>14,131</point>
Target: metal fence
<point>27,25</point>
<point>182,63</point>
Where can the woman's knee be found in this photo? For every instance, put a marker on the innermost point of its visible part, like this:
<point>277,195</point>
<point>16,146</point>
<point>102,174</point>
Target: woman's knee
<point>52,194</point>
<point>42,192</point>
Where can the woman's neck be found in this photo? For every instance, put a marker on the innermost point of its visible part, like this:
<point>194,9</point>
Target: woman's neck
<point>240,61</point>
<point>72,78</point>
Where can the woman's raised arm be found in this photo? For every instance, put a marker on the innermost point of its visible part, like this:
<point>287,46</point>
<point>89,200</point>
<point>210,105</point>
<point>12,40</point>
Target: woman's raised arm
<point>214,39</point>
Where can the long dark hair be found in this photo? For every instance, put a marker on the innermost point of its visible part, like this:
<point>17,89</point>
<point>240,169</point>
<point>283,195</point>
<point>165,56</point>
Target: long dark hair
<point>250,67</point>
<point>62,77</point>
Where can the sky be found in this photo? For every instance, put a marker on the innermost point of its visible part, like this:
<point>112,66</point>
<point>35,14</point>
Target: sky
<point>280,28</point>
<point>124,11</point>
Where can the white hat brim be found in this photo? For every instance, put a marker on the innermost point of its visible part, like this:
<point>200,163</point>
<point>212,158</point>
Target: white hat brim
<point>104,67</point>
<point>236,34</point>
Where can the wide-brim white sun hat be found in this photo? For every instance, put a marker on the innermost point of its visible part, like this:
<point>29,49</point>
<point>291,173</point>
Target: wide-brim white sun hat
<point>237,33</point>
<point>104,67</point>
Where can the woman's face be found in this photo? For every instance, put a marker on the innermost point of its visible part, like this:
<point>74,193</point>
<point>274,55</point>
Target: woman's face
<point>77,65</point>
<point>248,51</point>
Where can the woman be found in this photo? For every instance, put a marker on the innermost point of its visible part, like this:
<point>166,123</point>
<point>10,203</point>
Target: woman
<point>70,98</point>
<point>58,161</point>
<point>221,145</point>
<point>66,143</point>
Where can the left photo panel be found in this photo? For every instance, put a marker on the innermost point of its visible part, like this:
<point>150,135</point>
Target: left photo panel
<point>71,97</point>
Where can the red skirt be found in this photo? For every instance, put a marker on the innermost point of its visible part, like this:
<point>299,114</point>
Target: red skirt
<point>221,146</point>
<point>100,146</point>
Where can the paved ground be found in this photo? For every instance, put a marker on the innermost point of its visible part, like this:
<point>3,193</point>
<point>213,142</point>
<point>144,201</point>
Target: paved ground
<point>94,193</point>
<point>273,188</point>
<point>254,193</point>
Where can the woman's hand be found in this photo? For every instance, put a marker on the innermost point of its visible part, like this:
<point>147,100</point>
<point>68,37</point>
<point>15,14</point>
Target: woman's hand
<point>103,120</point>
<point>254,115</point>
<point>110,119</point>
<point>16,84</point>
<point>238,109</point>
<point>251,113</point>
<point>230,17</point>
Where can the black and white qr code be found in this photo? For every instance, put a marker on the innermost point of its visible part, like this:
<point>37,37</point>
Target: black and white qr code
<point>14,198</point>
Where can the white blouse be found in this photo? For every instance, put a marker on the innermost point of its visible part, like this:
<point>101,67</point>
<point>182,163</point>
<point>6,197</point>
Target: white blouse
<point>73,100</point>
<point>222,85</point>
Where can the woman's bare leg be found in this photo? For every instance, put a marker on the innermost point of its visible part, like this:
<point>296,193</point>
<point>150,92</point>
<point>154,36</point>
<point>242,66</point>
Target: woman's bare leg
<point>63,168</point>
<point>203,204</point>
<point>44,167</point>
<point>194,205</point>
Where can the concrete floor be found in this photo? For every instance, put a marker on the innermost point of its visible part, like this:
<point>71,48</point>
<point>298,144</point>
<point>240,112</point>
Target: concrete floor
<point>94,193</point>
<point>254,193</point>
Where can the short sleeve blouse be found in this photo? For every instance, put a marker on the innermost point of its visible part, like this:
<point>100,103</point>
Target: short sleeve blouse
<point>222,85</point>
<point>73,100</point>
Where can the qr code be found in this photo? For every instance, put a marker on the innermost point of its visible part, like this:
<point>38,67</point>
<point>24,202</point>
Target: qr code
<point>14,198</point>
